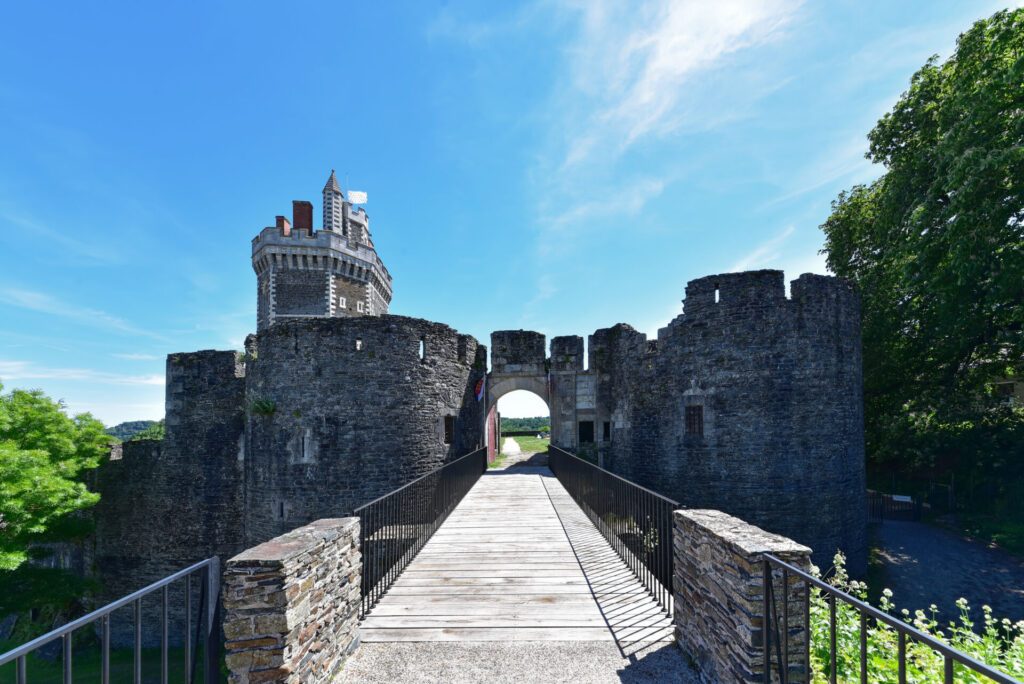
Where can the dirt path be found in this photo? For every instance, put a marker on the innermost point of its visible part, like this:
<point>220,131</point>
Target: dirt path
<point>924,564</point>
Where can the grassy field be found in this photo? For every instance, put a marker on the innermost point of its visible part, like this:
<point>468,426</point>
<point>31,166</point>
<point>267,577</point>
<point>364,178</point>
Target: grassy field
<point>532,445</point>
<point>86,666</point>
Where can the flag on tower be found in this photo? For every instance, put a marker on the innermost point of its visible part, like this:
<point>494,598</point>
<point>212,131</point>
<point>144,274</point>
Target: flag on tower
<point>356,197</point>
<point>479,389</point>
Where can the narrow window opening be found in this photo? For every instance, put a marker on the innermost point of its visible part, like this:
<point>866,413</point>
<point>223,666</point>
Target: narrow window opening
<point>423,349</point>
<point>280,510</point>
<point>716,294</point>
<point>695,421</point>
<point>449,429</point>
<point>606,431</point>
<point>359,344</point>
<point>586,432</point>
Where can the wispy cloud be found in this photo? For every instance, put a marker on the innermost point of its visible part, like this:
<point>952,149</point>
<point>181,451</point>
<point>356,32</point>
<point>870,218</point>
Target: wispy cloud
<point>634,61</point>
<point>765,253</point>
<point>137,357</point>
<point>44,303</point>
<point>95,253</point>
<point>13,370</point>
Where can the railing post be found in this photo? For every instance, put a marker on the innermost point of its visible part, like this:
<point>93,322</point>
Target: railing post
<point>211,659</point>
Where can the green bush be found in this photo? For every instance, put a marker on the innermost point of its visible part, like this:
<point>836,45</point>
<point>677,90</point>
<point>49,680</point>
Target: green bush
<point>1000,644</point>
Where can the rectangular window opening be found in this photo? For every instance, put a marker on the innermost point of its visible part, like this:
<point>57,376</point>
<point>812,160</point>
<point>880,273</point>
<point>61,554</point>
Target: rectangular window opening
<point>695,421</point>
<point>606,431</point>
<point>359,344</point>
<point>449,429</point>
<point>586,432</point>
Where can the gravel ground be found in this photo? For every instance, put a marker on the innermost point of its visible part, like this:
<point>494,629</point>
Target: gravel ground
<point>521,662</point>
<point>923,564</point>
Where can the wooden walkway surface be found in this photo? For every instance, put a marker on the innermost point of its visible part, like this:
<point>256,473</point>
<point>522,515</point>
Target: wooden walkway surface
<point>517,560</point>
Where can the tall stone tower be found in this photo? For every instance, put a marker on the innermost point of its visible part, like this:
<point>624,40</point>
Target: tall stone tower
<point>304,273</point>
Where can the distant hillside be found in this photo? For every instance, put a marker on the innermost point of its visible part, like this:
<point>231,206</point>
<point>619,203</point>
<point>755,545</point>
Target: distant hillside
<point>126,430</point>
<point>517,424</point>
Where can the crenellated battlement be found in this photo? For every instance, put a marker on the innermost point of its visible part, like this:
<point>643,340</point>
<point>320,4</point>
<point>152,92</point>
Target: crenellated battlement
<point>305,273</point>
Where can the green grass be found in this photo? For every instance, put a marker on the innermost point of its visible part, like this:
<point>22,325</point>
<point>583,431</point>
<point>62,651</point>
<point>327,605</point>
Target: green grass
<point>998,530</point>
<point>532,445</point>
<point>499,461</point>
<point>86,665</point>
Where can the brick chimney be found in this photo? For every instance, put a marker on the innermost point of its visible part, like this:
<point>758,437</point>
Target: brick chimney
<point>302,215</point>
<point>284,226</point>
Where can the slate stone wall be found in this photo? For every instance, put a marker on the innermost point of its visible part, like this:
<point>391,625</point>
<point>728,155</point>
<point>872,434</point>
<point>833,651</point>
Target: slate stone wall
<point>167,504</point>
<point>718,580</point>
<point>291,605</point>
<point>301,292</point>
<point>778,382</point>
<point>357,413</point>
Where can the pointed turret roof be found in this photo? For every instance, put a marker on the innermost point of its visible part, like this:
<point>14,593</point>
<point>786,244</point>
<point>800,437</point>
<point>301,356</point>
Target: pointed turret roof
<point>332,183</point>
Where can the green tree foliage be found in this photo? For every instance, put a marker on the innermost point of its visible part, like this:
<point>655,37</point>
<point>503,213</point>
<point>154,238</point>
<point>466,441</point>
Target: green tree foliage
<point>539,423</point>
<point>936,246</point>
<point>43,454</point>
<point>154,431</point>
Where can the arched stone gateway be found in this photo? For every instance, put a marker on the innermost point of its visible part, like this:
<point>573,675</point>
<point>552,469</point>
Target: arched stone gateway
<point>748,402</point>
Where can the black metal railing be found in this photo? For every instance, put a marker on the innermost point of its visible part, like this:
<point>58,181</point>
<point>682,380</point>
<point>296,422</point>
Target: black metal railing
<point>393,528</point>
<point>206,634</point>
<point>636,521</point>
<point>883,507</point>
<point>788,640</point>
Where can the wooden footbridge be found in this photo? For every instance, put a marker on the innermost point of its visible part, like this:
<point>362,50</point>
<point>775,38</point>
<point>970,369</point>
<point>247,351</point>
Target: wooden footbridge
<point>517,560</point>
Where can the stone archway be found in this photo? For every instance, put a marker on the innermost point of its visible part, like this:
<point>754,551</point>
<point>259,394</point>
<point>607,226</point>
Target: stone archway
<point>498,386</point>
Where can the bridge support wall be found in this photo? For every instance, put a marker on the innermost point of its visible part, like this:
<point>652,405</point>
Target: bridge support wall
<point>292,605</point>
<point>719,596</point>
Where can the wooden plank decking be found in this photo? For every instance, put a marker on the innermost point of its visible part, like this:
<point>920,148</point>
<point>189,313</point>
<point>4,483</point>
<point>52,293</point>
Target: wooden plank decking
<point>517,561</point>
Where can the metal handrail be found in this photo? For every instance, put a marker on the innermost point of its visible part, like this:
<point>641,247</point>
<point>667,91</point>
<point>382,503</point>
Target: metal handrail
<point>651,515</point>
<point>866,610</point>
<point>394,527</point>
<point>209,597</point>
<point>618,477</point>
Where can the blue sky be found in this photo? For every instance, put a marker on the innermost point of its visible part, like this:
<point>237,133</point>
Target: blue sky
<point>557,166</point>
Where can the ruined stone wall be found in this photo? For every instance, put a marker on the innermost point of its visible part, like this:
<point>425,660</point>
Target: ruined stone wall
<point>778,383</point>
<point>348,411</point>
<point>167,504</point>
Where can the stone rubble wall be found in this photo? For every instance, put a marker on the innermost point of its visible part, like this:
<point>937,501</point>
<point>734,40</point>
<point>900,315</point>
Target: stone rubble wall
<point>719,596</point>
<point>291,605</point>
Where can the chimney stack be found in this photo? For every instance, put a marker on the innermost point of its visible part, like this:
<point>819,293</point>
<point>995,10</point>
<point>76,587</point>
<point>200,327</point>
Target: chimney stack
<point>284,226</point>
<point>302,215</point>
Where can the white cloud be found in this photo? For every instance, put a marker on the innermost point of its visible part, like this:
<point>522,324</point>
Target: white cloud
<point>765,253</point>
<point>137,357</point>
<point>631,65</point>
<point>17,371</point>
<point>44,303</point>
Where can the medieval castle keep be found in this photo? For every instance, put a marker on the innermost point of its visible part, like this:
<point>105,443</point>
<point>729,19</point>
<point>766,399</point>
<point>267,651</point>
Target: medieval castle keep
<point>302,273</point>
<point>748,402</point>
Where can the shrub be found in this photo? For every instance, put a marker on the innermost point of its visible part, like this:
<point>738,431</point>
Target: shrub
<point>1000,644</point>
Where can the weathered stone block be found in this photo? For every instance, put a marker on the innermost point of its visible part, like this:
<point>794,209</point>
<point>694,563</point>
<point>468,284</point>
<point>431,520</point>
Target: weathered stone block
<point>279,641</point>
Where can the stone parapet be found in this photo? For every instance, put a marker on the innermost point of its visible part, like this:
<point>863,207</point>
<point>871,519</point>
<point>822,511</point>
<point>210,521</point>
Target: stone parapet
<point>291,605</point>
<point>719,596</point>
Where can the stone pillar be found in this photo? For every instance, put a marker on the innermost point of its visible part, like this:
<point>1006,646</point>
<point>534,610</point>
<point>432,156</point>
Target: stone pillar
<point>291,605</point>
<point>719,596</point>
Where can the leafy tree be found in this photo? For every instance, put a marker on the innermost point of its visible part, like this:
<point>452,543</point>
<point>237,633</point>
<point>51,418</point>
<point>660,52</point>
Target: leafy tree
<point>936,245</point>
<point>43,454</point>
<point>154,431</point>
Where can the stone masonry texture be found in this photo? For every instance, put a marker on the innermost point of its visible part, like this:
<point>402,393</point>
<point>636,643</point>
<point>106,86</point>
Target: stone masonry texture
<point>775,381</point>
<point>291,605</point>
<point>719,601</point>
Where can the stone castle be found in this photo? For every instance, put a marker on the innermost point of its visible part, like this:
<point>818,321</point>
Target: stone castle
<point>748,402</point>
